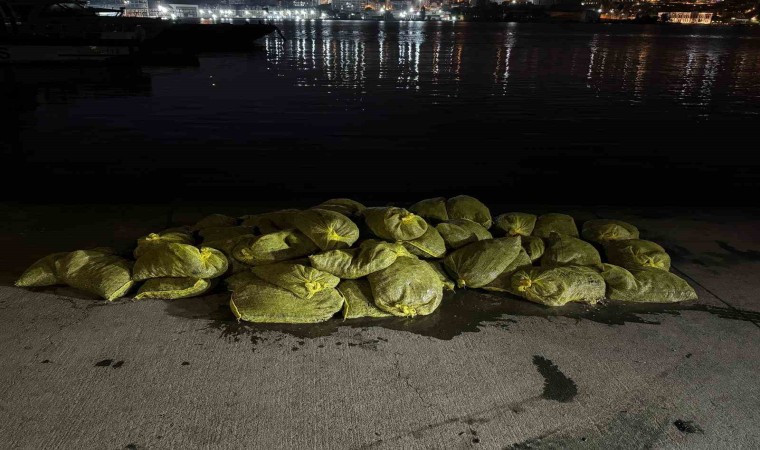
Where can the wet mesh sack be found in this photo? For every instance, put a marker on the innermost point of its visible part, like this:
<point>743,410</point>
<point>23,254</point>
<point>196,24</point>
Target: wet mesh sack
<point>433,210</point>
<point>394,224</point>
<point>646,285</point>
<point>273,247</point>
<point>478,264</point>
<point>259,301</point>
<point>470,208</point>
<point>409,287</point>
<point>162,238</point>
<point>41,273</point>
<point>558,286</point>
<point>328,229</point>
<point>558,223</point>
<point>448,283</point>
<point>215,220</point>
<point>226,238</point>
<point>345,206</point>
<point>534,246</point>
<point>301,280</point>
<point>637,253</point>
<point>180,261</point>
<point>603,230</point>
<point>212,234</point>
<point>172,288</point>
<point>370,257</point>
<point>516,223</point>
<point>569,251</point>
<point>240,280</point>
<point>503,282</point>
<point>429,245</point>
<point>103,274</point>
<point>271,222</point>
<point>460,232</point>
<point>358,300</point>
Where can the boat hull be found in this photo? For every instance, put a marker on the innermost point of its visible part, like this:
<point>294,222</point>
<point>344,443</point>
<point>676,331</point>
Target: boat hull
<point>12,53</point>
<point>211,37</point>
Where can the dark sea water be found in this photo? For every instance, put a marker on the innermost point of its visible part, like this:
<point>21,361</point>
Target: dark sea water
<point>588,114</point>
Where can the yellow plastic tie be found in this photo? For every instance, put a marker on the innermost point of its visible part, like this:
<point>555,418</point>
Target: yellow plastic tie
<point>406,218</point>
<point>408,311</point>
<point>333,236</point>
<point>312,287</point>
<point>524,284</point>
<point>153,236</point>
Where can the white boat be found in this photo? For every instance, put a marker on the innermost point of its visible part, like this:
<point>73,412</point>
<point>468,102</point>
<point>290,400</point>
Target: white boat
<point>44,31</point>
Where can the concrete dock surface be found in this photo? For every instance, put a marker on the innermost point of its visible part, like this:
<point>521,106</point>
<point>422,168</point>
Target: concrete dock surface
<point>485,371</point>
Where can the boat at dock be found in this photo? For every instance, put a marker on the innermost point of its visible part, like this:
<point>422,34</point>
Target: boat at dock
<point>45,31</point>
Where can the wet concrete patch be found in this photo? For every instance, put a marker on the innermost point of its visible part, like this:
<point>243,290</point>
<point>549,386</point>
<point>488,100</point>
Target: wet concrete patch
<point>687,426</point>
<point>108,363</point>
<point>730,256</point>
<point>460,312</point>
<point>557,386</point>
<point>641,429</point>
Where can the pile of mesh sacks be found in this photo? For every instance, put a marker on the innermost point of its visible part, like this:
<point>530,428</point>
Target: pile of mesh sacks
<point>305,266</point>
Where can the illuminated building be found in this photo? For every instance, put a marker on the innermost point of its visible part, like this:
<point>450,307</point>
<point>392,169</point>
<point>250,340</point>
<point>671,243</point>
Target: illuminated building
<point>688,17</point>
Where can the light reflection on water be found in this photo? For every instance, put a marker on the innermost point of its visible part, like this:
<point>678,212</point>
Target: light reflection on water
<point>463,62</point>
<point>438,105</point>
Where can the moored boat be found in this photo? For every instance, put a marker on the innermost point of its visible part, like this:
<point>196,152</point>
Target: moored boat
<point>49,31</point>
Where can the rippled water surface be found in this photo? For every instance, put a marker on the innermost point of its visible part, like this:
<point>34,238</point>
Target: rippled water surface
<point>554,110</point>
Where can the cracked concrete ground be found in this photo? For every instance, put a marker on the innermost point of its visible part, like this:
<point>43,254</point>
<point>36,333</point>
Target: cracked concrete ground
<point>486,371</point>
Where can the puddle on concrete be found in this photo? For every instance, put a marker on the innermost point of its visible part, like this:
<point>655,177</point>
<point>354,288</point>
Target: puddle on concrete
<point>460,312</point>
<point>730,256</point>
<point>557,386</point>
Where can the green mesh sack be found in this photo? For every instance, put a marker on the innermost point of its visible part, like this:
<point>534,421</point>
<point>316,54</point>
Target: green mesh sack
<point>534,246</point>
<point>558,286</point>
<point>432,210</point>
<point>564,250</point>
<point>460,232</point>
<point>429,245</point>
<point>409,287</point>
<point>478,264</point>
<point>162,238</point>
<point>448,283</point>
<point>102,274</point>
<point>358,300</point>
<point>215,220</point>
<point>637,253</point>
<point>646,285</point>
<point>328,229</point>
<point>503,282</point>
<point>264,302</point>
<point>41,273</point>
<point>602,230</point>
<point>303,281</point>
<point>516,223</point>
<point>470,208</point>
<point>558,223</point>
<point>345,206</point>
<point>271,222</point>
<point>394,224</point>
<point>212,234</point>
<point>226,245</point>
<point>240,280</point>
<point>349,264</point>
<point>273,247</point>
<point>172,288</point>
<point>180,260</point>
